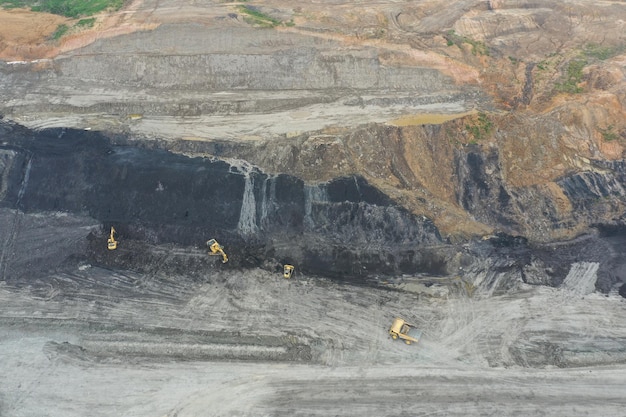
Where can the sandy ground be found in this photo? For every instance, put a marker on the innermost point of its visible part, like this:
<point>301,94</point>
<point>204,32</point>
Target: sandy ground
<point>23,34</point>
<point>27,36</point>
<point>237,389</point>
<point>253,126</point>
<point>81,362</point>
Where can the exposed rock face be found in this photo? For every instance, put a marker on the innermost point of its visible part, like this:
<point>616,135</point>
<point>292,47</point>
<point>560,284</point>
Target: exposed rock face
<point>574,202</point>
<point>341,140</point>
<point>344,227</point>
<point>513,180</point>
<point>341,227</point>
<point>218,73</point>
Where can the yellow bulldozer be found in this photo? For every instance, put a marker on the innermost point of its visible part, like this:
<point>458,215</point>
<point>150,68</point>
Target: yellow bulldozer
<point>216,249</point>
<point>400,329</point>
<point>111,242</point>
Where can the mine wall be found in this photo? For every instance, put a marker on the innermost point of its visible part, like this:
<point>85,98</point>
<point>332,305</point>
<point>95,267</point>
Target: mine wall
<point>579,201</point>
<point>263,71</point>
<point>343,228</point>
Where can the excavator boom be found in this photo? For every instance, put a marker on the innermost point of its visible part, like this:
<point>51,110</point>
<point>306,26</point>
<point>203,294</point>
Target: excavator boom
<point>216,249</point>
<point>111,242</point>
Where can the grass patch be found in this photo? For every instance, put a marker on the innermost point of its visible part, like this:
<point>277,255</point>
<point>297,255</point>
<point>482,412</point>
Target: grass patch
<point>68,8</point>
<point>573,74</point>
<point>63,29</point>
<point>608,134</point>
<point>481,127</point>
<point>573,77</point>
<point>12,4</point>
<point>86,23</point>
<point>254,16</point>
<point>60,31</point>
<point>602,52</point>
<point>478,47</point>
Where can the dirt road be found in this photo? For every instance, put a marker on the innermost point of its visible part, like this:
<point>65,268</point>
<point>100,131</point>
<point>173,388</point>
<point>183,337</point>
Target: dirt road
<point>240,389</point>
<point>190,354</point>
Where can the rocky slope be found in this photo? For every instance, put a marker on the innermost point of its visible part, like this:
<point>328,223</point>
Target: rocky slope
<point>362,135</point>
<point>458,164</point>
<point>344,227</point>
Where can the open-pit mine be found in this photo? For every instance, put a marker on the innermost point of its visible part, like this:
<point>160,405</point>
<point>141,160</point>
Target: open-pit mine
<point>351,208</point>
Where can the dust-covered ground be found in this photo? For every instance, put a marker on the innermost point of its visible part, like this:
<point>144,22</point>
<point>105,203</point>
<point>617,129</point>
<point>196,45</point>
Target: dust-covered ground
<point>78,339</point>
<point>191,336</point>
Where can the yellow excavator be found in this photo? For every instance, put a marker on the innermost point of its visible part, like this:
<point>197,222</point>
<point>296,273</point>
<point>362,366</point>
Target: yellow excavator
<point>216,249</point>
<point>111,242</point>
<point>288,271</point>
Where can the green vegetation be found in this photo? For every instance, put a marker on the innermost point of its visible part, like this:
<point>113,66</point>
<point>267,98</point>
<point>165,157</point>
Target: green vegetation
<point>608,134</point>
<point>573,76</point>
<point>478,47</point>
<point>68,8</point>
<point>481,128</point>
<point>602,52</point>
<point>574,69</point>
<point>60,31</point>
<point>255,17</point>
<point>86,23</point>
<point>11,4</point>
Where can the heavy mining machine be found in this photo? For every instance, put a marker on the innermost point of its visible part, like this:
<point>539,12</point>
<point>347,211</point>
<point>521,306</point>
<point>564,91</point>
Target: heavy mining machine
<point>216,249</point>
<point>405,331</point>
<point>288,271</point>
<point>111,242</point>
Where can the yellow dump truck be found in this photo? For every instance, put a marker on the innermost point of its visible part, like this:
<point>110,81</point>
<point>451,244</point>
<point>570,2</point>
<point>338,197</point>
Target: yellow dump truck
<point>405,331</point>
